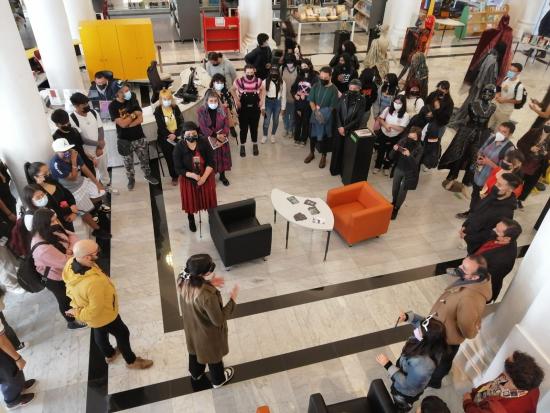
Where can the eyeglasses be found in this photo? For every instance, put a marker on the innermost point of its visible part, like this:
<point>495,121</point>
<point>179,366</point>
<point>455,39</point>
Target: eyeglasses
<point>426,322</point>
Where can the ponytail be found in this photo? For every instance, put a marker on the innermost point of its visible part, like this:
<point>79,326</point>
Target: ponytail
<point>31,170</point>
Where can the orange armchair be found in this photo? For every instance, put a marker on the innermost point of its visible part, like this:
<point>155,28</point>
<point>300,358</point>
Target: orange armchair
<point>359,212</point>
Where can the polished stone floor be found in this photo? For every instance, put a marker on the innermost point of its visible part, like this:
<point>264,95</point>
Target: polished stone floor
<point>425,233</point>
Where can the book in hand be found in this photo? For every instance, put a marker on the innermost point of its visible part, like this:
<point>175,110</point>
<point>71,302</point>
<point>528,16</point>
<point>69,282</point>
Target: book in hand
<point>217,142</point>
<point>299,217</point>
<point>309,202</point>
<point>313,211</point>
<point>293,200</point>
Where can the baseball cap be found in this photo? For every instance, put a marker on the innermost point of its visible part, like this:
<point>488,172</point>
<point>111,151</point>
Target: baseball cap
<point>61,145</point>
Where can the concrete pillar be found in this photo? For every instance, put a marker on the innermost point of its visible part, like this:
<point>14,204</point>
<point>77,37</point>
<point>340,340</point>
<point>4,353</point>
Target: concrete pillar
<point>256,17</point>
<point>524,15</point>
<point>399,15</point>
<point>26,134</point>
<point>53,38</point>
<point>78,10</point>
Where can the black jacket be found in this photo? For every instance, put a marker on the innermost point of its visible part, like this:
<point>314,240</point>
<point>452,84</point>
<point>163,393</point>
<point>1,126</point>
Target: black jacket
<point>108,94</point>
<point>410,165</point>
<point>500,261</point>
<point>259,57</point>
<point>349,73</point>
<point>183,156</point>
<point>336,58</point>
<point>484,217</point>
<point>350,111</point>
<point>162,132</point>
<point>446,106</point>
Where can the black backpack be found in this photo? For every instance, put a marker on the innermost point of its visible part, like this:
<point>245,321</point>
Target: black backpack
<point>75,119</point>
<point>523,96</point>
<point>28,278</point>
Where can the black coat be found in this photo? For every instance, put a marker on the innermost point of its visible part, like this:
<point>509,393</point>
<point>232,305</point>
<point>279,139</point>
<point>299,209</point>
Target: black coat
<point>350,111</point>
<point>446,106</point>
<point>183,156</point>
<point>162,132</point>
<point>500,261</point>
<point>410,165</point>
<point>259,58</point>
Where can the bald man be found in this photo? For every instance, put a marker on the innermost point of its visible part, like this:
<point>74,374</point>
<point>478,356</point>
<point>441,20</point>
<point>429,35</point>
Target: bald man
<point>94,301</point>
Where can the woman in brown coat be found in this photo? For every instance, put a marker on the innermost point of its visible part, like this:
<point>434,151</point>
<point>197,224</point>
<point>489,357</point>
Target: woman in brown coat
<point>205,319</point>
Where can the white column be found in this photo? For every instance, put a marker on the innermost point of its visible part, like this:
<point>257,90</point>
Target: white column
<point>256,17</point>
<point>78,10</point>
<point>399,15</point>
<point>524,15</point>
<point>26,134</point>
<point>53,38</point>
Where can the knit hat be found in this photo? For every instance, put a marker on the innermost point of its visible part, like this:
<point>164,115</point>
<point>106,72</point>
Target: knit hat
<point>355,82</point>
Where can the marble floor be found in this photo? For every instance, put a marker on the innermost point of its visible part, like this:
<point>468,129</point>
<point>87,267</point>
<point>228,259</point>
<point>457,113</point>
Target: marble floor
<point>425,233</point>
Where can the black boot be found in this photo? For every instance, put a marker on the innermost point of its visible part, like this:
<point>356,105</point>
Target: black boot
<point>394,213</point>
<point>243,151</point>
<point>223,179</point>
<point>255,150</point>
<point>192,225</point>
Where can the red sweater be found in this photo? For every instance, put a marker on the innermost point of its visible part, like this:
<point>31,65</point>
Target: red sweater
<point>524,404</point>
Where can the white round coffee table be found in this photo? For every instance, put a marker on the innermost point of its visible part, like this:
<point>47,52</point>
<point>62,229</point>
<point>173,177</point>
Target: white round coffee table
<point>310,213</point>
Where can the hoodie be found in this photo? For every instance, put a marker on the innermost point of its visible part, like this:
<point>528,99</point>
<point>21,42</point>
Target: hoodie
<point>92,294</point>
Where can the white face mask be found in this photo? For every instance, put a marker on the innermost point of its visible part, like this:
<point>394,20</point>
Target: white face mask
<point>213,106</point>
<point>499,137</point>
<point>218,86</point>
<point>166,103</point>
<point>41,203</point>
<point>397,106</point>
<point>418,334</point>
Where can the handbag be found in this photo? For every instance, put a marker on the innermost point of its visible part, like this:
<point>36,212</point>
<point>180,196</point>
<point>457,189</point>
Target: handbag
<point>124,147</point>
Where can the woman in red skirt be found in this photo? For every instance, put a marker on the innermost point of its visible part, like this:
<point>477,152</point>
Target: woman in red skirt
<point>194,163</point>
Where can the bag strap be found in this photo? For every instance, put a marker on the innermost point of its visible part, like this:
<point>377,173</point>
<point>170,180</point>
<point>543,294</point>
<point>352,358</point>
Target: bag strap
<point>37,245</point>
<point>516,90</point>
<point>75,120</point>
<point>93,112</point>
<point>43,277</point>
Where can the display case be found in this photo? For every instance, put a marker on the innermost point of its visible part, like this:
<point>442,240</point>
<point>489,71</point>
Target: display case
<point>478,19</point>
<point>369,13</point>
<point>221,34</point>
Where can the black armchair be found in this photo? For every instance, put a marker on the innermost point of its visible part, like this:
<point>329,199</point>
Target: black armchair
<point>237,234</point>
<point>378,400</point>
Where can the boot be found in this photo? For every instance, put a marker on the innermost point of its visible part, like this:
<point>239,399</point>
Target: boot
<point>243,151</point>
<point>255,150</point>
<point>323,161</point>
<point>394,213</point>
<point>192,225</point>
<point>309,158</point>
<point>223,179</point>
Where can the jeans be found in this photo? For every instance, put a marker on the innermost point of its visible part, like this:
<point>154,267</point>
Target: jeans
<point>122,336</point>
<point>197,369</point>
<point>288,118</point>
<point>249,118</point>
<point>142,151</point>
<point>272,109</point>
<point>10,333</point>
<point>302,128</point>
<point>58,290</point>
<point>399,190</point>
<point>445,365</point>
<point>12,388</point>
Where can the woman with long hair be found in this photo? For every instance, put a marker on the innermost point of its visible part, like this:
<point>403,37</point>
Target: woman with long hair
<point>169,120</point>
<point>291,46</point>
<point>377,56</point>
<point>387,93</point>
<point>419,358</point>
<point>418,73</point>
<point>300,90</point>
<point>205,319</point>
<point>218,83</point>
<point>214,126</point>
<point>274,103</point>
<point>51,247</point>
<point>344,72</point>
<point>289,74</point>
<point>349,48</point>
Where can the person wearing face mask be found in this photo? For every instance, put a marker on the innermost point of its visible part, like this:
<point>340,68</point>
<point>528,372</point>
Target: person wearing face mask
<point>169,122</point>
<point>194,163</point>
<point>250,94</point>
<point>387,93</point>
<point>393,122</point>
<point>369,90</point>
<point>499,203</point>
<point>300,91</point>
<point>419,358</point>
<point>94,301</point>
<point>515,390</point>
<point>127,115</point>
<point>349,114</point>
<point>509,94</point>
<point>460,308</point>
<point>289,73</point>
<point>414,101</point>
<point>535,146</point>
<point>500,251</point>
<point>274,103</point>
<point>418,74</point>
<point>87,121</point>
<point>489,156</point>
<point>442,104</point>
<point>102,89</point>
<point>205,319</point>
<point>343,73</point>
<point>51,246</point>
<point>214,125</point>
<point>217,64</point>
<point>72,135</point>
<point>406,155</point>
<point>260,58</point>
<point>348,48</point>
<point>511,163</point>
<point>219,85</point>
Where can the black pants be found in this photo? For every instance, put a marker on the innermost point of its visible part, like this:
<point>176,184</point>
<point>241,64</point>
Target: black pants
<point>399,188</point>
<point>58,290</point>
<point>454,170</point>
<point>445,365</point>
<point>496,285</point>
<point>529,182</point>
<point>301,124</point>
<point>476,196</point>
<point>167,150</point>
<point>403,403</point>
<point>322,144</point>
<point>217,375</point>
<point>122,336</point>
<point>10,333</point>
<point>385,145</point>
<point>249,118</point>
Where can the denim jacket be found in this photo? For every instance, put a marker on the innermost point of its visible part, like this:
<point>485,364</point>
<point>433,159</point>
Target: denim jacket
<point>414,373</point>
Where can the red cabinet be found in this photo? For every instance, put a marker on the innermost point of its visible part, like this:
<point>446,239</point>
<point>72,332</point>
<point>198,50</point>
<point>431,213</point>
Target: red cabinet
<point>221,34</point>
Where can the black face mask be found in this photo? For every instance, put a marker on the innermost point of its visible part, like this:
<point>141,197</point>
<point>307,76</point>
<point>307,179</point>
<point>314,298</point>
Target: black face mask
<point>354,92</point>
<point>305,70</point>
<point>86,109</point>
<point>191,139</point>
<point>495,191</point>
<point>250,77</point>
<point>101,87</point>
<point>324,82</point>
<point>65,128</point>
<point>415,93</point>
<point>546,128</point>
<point>274,77</point>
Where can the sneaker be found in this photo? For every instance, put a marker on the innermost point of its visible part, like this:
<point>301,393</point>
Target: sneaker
<point>29,384</point>
<point>131,184</point>
<point>243,151</point>
<point>21,346</point>
<point>264,139</point>
<point>23,401</point>
<point>101,234</point>
<point>151,179</point>
<point>75,325</point>
<point>462,215</point>
<point>386,172</point>
<point>140,364</point>
<point>255,150</point>
<point>229,372</point>
<point>375,171</point>
<point>273,140</point>
<point>109,360</point>
<point>104,208</point>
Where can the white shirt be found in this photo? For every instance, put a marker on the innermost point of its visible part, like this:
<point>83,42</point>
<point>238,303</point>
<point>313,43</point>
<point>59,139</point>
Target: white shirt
<point>88,126</point>
<point>394,120</point>
<point>507,91</point>
<point>272,93</point>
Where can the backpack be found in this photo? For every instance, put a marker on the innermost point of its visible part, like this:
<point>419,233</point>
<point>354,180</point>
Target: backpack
<point>523,96</point>
<point>27,276</point>
<point>20,238</point>
<point>75,119</point>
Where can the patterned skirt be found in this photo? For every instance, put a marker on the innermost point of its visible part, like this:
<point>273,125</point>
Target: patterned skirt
<point>196,198</point>
<point>222,158</point>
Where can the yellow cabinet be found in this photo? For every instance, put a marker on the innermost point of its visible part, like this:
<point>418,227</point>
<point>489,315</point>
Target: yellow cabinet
<point>124,46</point>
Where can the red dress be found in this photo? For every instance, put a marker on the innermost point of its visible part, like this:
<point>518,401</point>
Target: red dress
<point>196,198</point>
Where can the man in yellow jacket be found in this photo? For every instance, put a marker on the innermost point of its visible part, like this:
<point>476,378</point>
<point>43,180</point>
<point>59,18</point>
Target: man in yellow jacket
<point>94,301</point>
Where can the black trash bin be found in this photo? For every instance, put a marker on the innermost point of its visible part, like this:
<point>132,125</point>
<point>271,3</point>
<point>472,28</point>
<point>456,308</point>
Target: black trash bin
<point>358,148</point>
<point>340,36</point>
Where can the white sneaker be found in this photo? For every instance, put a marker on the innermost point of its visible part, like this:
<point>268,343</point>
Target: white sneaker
<point>425,168</point>
<point>375,171</point>
<point>273,140</point>
<point>264,139</point>
<point>228,372</point>
<point>386,172</point>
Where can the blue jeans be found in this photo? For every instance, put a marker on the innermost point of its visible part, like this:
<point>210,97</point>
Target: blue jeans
<point>12,388</point>
<point>288,117</point>
<point>272,109</point>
